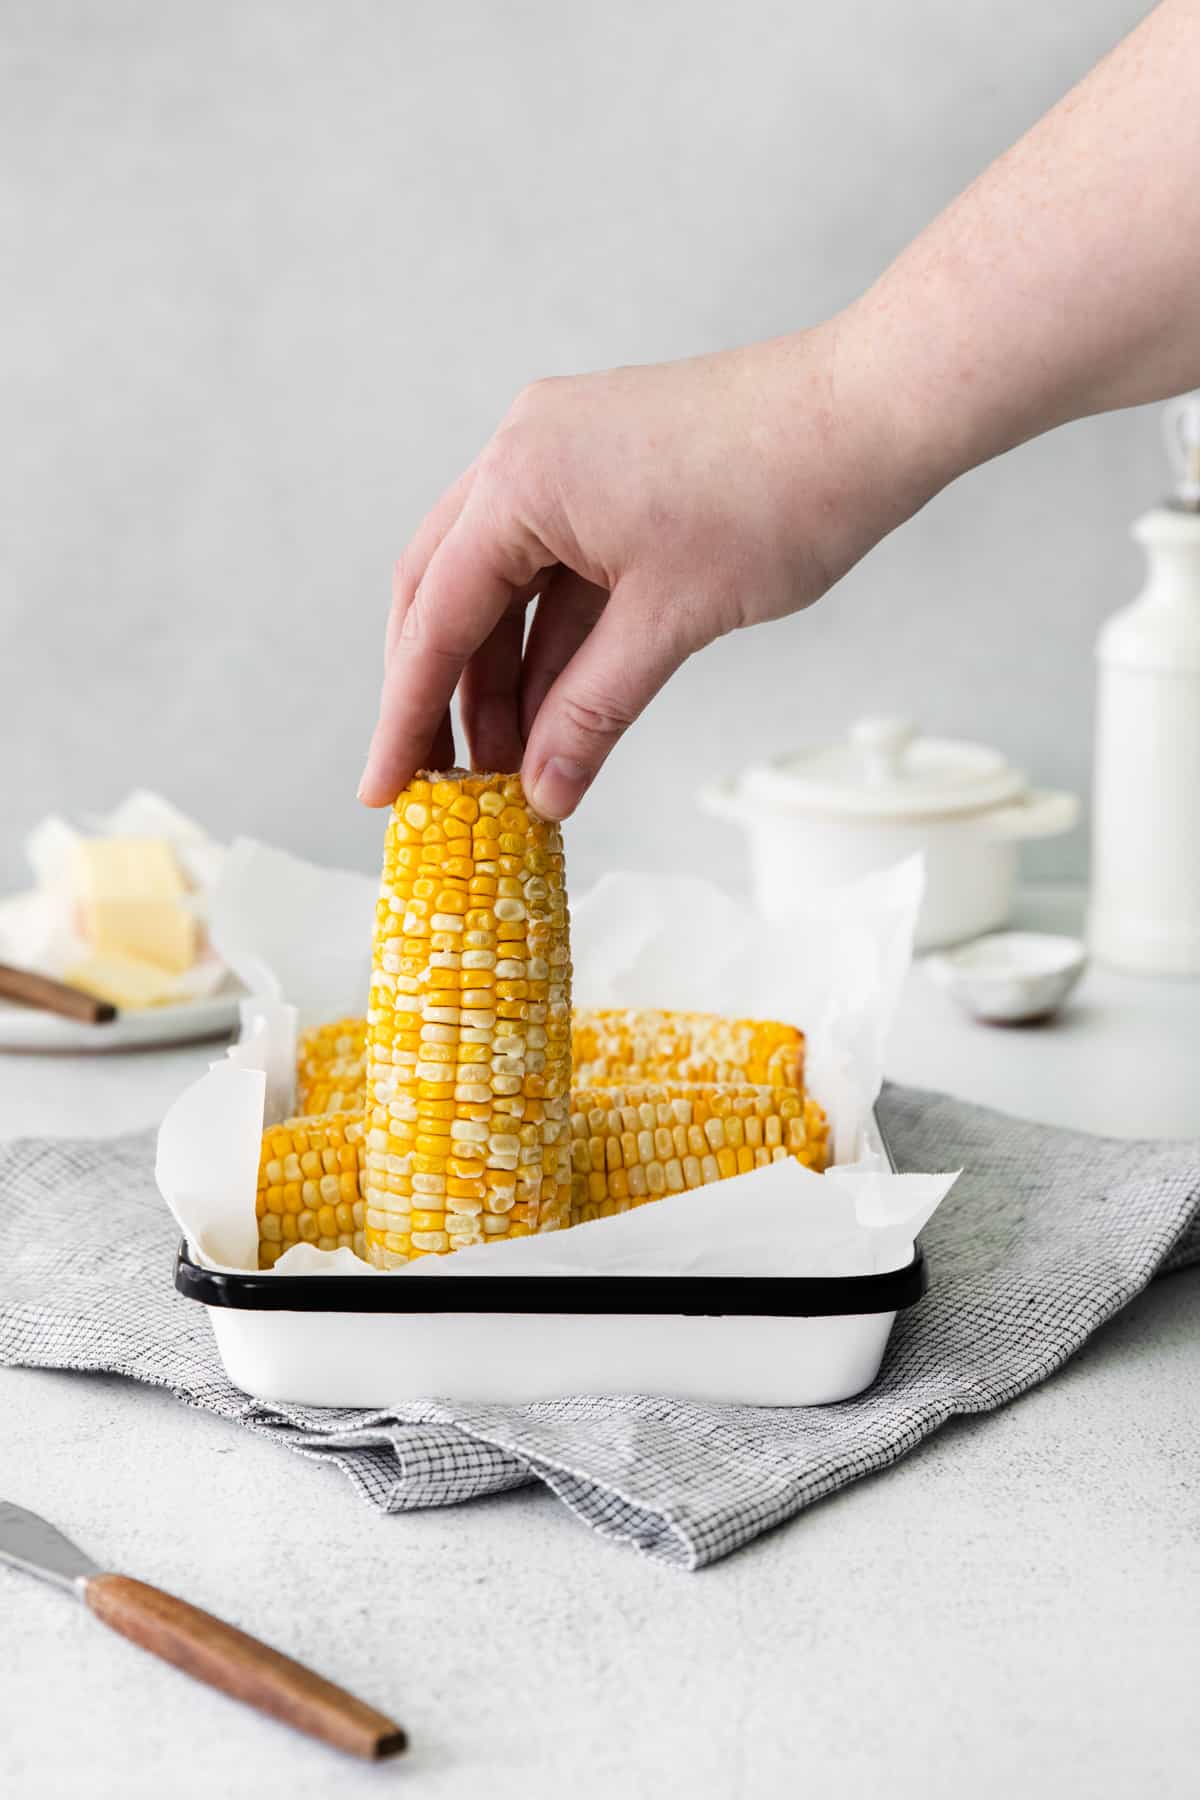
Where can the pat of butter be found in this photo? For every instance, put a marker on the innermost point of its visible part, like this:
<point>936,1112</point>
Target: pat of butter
<point>127,982</point>
<point>156,931</point>
<point>130,892</point>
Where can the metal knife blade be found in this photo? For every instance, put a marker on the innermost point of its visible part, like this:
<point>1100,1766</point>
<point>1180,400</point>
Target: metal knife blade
<point>29,1542</point>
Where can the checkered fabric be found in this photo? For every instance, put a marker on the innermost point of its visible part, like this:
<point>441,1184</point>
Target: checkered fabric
<point>1046,1236</point>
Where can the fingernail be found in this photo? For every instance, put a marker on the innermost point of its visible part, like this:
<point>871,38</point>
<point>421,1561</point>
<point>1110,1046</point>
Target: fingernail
<point>560,787</point>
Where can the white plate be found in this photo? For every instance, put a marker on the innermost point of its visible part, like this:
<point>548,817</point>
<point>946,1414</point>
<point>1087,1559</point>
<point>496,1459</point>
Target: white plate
<point>25,1028</point>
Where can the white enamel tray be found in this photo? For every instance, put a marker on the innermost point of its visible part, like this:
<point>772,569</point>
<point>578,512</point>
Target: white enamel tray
<point>346,1341</point>
<point>340,1340</point>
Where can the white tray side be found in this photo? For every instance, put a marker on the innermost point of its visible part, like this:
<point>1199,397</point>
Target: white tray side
<point>383,1359</point>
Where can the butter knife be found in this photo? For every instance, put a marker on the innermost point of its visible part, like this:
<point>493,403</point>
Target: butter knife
<point>28,989</point>
<point>198,1643</point>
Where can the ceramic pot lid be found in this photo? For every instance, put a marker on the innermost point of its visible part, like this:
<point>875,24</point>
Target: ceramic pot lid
<point>885,771</point>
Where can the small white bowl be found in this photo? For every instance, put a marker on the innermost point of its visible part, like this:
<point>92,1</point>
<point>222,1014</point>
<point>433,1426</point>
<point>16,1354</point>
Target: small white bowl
<point>1010,977</point>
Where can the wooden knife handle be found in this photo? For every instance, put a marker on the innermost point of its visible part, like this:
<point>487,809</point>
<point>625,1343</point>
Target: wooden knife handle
<point>239,1665</point>
<point>28,989</point>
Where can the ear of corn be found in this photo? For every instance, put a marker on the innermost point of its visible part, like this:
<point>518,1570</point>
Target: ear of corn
<point>447,1116</point>
<point>468,1031</point>
<point>631,1145</point>
<point>310,1186</point>
<point>619,1047</point>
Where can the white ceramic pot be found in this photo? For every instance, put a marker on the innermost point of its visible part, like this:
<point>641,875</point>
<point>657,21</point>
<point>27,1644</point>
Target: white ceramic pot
<point>829,815</point>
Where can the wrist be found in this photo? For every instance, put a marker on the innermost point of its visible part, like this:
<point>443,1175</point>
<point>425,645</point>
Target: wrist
<point>910,424</point>
<point>860,444</point>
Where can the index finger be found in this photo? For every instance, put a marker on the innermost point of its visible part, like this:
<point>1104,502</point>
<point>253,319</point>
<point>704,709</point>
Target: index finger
<point>410,570</point>
<point>468,586</point>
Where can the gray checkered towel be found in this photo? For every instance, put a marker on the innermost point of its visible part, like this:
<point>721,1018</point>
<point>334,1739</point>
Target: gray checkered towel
<point>1044,1238</point>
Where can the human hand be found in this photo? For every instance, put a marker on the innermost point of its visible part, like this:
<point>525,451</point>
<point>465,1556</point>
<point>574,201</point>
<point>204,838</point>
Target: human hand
<point>648,511</point>
<point>651,509</point>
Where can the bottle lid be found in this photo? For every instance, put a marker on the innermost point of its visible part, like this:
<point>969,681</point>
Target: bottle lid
<point>1181,430</point>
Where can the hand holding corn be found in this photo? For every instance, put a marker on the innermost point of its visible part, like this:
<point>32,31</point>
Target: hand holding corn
<point>650,510</point>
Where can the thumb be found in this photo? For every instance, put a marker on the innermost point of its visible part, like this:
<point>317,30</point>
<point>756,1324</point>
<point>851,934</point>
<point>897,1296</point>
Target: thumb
<point>613,676</point>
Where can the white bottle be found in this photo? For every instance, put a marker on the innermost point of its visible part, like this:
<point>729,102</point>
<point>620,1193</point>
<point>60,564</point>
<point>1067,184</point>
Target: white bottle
<point>1145,902</point>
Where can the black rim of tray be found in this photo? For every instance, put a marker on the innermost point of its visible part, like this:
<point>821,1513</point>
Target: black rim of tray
<point>692,1296</point>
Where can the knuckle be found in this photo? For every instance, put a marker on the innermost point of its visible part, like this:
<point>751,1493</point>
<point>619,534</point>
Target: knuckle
<point>534,396</point>
<point>596,718</point>
<point>402,578</point>
<point>422,625</point>
<point>505,460</point>
<point>519,446</point>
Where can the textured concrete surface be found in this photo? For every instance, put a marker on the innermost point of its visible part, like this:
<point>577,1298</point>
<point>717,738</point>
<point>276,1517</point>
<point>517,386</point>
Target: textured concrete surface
<point>1010,1610</point>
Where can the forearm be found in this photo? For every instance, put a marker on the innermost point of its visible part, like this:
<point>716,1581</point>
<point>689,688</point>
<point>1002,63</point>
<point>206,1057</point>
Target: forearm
<point>1065,281</point>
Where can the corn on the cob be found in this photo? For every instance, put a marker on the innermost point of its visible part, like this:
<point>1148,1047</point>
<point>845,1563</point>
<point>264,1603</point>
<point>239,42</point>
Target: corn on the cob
<point>619,1047</point>
<point>468,1031</point>
<point>310,1186</point>
<point>631,1145</point>
<point>330,1067</point>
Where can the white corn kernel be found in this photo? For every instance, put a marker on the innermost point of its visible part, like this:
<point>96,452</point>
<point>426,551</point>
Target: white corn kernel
<point>473,1131</point>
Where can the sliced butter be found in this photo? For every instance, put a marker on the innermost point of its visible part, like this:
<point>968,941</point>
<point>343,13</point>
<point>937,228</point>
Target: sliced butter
<point>129,892</point>
<point>127,982</point>
<point>155,931</point>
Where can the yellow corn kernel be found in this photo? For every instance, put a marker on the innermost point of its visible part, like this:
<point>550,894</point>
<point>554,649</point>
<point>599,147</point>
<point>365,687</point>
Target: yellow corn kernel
<point>619,1048</point>
<point>330,1067</point>
<point>630,1145</point>
<point>330,1152</point>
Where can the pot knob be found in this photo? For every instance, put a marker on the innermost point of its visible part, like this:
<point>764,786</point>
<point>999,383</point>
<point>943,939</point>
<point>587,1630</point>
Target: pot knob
<point>882,742</point>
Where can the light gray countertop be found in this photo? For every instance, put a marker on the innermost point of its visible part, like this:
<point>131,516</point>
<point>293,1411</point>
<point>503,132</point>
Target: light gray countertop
<point>1009,1610</point>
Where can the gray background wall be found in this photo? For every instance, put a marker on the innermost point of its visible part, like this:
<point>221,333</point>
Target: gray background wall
<point>273,269</point>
